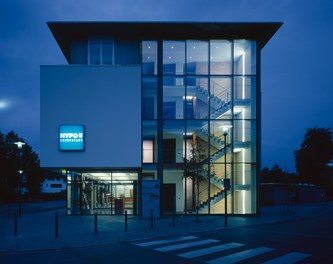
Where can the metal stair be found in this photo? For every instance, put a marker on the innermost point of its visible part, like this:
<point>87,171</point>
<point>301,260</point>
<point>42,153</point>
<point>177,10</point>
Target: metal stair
<point>213,200</point>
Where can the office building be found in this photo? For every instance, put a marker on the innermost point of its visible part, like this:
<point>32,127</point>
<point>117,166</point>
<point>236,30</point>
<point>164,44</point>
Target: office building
<point>155,115</point>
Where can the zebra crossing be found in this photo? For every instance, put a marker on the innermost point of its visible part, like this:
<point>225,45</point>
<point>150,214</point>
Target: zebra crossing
<point>215,251</point>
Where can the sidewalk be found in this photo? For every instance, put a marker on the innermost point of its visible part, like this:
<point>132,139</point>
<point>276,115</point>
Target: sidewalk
<point>36,228</point>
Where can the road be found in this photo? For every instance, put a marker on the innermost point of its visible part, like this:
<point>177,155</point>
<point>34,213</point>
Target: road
<point>305,240</point>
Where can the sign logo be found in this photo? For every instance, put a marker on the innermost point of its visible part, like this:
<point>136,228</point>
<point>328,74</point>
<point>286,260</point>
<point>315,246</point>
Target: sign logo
<point>71,137</point>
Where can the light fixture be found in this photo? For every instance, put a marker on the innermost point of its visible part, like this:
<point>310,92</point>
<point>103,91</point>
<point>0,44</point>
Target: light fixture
<point>225,128</point>
<point>19,144</point>
<point>189,97</point>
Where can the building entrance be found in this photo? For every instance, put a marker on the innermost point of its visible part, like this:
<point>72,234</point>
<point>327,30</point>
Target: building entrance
<point>102,192</point>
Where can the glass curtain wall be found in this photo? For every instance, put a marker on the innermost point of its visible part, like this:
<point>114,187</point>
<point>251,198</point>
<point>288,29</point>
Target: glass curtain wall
<point>208,122</point>
<point>102,192</point>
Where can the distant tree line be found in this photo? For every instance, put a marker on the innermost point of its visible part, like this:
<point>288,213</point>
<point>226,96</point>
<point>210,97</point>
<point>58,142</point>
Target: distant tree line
<point>12,161</point>
<point>313,161</point>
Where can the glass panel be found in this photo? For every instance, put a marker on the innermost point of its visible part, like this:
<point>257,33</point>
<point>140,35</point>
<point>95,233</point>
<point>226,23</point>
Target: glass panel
<point>173,97</point>
<point>197,57</point>
<point>244,188</point>
<point>107,53</point>
<point>149,132</point>
<point>220,57</point>
<point>127,52</point>
<point>173,190</point>
<point>219,132</point>
<point>197,98</point>
<point>149,98</point>
<point>219,171</point>
<point>149,57</point>
<point>148,151</point>
<point>149,172</point>
<point>173,137</point>
<point>244,140</point>
<point>173,57</point>
<point>244,97</point>
<point>244,57</point>
<point>197,141</point>
<point>220,99</point>
<point>95,53</point>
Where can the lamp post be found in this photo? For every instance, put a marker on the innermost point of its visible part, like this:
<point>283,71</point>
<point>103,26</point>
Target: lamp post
<point>225,134</point>
<point>20,145</point>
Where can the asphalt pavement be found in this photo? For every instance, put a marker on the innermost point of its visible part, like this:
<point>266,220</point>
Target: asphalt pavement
<point>38,228</point>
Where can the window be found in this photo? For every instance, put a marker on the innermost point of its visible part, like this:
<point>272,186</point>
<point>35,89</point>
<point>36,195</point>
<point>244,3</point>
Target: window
<point>149,57</point>
<point>197,57</point>
<point>148,151</point>
<point>173,57</point>
<point>100,53</point>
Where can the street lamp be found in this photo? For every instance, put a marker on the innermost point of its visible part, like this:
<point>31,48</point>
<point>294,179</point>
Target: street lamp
<point>20,145</point>
<point>226,182</point>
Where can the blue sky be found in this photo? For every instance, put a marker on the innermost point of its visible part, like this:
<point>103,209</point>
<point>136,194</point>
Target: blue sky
<point>297,72</point>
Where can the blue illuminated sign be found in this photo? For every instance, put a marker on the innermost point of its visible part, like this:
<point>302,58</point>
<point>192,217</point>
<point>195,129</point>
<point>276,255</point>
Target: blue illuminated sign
<point>71,137</point>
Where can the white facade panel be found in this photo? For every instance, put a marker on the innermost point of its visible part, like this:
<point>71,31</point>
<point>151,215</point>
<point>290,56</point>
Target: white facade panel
<point>106,100</point>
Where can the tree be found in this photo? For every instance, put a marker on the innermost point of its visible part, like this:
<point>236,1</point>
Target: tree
<point>11,161</point>
<point>277,175</point>
<point>313,158</point>
<point>196,169</point>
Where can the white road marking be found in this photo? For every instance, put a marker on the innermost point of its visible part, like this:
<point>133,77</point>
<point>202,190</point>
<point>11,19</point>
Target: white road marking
<point>289,258</point>
<point>186,245</point>
<point>242,255</point>
<point>160,242</point>
<point>209,250</point>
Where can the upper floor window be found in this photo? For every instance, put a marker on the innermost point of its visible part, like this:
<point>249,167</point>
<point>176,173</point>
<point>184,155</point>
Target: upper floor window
<point>100,52</point>
<point>149,57</point>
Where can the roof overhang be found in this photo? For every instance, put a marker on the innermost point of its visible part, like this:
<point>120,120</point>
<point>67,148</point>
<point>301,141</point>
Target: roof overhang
<point>65,32</point>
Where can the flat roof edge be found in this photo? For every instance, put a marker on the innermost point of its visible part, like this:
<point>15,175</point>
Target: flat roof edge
<point>64,32</point>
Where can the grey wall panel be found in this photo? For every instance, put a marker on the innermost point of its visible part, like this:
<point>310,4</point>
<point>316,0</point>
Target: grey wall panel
<point>106,100</point>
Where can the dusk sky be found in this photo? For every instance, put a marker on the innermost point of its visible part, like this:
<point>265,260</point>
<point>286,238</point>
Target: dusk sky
<point>297,69</point>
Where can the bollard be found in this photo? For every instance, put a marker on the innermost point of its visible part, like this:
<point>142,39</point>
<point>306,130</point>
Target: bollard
<point>56,227</point>
<point>151,218</point>
<point>95,223</point>
<point>15,224</point>
<point>126,222</point>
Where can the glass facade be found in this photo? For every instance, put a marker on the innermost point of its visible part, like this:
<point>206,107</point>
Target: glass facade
<point>102,192</point>
<point>199,123</point>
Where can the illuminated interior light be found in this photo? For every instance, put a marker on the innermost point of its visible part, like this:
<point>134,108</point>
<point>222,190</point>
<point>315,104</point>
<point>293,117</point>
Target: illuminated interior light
<point>148,47</point>
<point>189,97</point>
<point>187,134</point>
<point>243,80</point>
<point>243,125</point>
<point>171,47</point>
<point>243,167</point>
<point>169,57</point>
<point>193,47</point>
<point>148,57</point>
